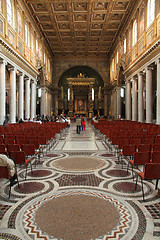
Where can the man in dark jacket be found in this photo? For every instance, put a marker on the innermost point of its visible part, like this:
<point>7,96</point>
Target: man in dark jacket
<point>78,124</point>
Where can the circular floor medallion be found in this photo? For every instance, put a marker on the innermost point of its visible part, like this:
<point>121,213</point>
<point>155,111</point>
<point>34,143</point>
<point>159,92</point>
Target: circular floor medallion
<point>83,163</point>
<point>117,173</point>
<point>51,155</point>
<point>106,155</point>
<point>29,187</point>
<point>72,217</point>
<point>40,173</point>
<point>126,187</point>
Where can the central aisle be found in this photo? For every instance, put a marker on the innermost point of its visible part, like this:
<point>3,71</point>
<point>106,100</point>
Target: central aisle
<point>85,141</point>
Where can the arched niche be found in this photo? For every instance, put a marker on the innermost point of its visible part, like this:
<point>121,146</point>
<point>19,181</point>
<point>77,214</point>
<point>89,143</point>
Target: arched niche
<point>82,75</point>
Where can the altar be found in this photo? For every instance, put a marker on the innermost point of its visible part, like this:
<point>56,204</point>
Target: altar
<point>80,95</point>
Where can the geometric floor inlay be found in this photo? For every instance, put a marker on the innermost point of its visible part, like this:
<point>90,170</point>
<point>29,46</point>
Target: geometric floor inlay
<point>126,187</point>
<point>79,163</point>
<point>154,210</point>
<point>73,180</point>
<point>76,215</point>
<point>29,187</point>
<point>117,173</point>
<point>39,173</point>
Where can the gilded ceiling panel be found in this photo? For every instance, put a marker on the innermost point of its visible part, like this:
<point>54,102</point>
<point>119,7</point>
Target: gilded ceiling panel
<point>80,27</point>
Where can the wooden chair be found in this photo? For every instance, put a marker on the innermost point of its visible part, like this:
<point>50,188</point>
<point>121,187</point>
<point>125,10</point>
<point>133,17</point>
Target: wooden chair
<point>151,171</point>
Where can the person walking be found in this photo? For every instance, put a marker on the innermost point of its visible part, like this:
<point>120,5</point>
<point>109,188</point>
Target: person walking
<point>78,124</point>
<point>83,124</point>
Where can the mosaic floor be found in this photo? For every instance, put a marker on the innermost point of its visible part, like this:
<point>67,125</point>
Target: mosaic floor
<point>79,191</point>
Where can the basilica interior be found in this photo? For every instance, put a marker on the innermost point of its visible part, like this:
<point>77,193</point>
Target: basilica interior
<point>99,60</point>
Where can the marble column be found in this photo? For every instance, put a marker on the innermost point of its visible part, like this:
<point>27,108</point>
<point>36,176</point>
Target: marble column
<point>12,99</point>
<point>158,92</point>
<point>27,98</point>
<point>134,99</point>
<point>128,100</point>
<point>90,102</point>
<point>33,99</point>
<point>118,102</point>
<point>46,102</point>
<point>43,107</point>
<point>149,95</point>
<point>140,98</point>
<point>70,101</point>
<point>105,104</point>
<point>21,97</point>
<point>56,103</point>
<point>2,91</point>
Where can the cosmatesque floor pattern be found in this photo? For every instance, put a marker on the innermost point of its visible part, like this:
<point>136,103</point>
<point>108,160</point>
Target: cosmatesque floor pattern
<point>79,191</point>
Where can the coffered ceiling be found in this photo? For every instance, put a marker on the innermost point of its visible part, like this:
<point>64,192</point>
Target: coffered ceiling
<point>74,27</point>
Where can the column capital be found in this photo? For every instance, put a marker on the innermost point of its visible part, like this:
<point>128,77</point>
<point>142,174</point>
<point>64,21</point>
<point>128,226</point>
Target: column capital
<point>140,73</point>
<point>134,78</point>
<point>11,68</point>
<point>158,61</point>
<point>26,78</point>
<point>149,68</point>
<point>128,81</point>
<point>20,74</point>
<point>2,61</point>
<point>34,81</point>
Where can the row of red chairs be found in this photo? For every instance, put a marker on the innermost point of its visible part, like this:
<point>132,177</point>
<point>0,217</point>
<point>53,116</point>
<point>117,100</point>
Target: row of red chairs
<point>140,145</point>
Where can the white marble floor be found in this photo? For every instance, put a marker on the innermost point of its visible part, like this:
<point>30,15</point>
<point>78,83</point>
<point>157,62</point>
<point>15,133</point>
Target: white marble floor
<point>80,164</point>
<point>85,141</point>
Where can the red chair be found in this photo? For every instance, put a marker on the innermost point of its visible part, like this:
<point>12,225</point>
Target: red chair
<point>148,141</point>
<point>29,150</point>
<point>43,142</point>
<point>135,141</point>
<point>19,157</point>
<point>121,143</point>
<point>155,157</point>
<point>144,148</point>
<point>20,136</point>
<point>12,180</point>
<point>1,138</point>
<point>21,141</point>
<point>139,158</point>
<point>13,147</point>
<point>156,147</point>
<point>2,148</point>
<point>128,151</point>
<point>151,171</point>
<point>9,141</point>
<point>37,146</point>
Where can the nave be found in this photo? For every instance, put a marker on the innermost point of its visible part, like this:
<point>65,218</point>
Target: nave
<point>79,190</point>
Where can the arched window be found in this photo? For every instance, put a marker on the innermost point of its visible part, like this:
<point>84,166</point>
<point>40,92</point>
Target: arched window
<point>134,39</point>
<point>10,12</point>
<point>150,12</point>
